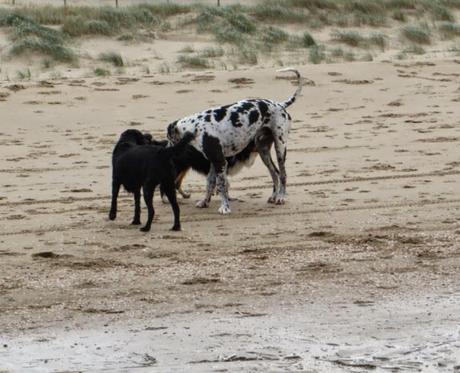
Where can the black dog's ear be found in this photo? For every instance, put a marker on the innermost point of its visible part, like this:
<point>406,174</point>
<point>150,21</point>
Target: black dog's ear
<point>162,143</point>
<point>148,138</point>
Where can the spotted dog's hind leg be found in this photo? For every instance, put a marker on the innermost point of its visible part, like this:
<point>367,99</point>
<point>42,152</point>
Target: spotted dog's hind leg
<point>179,180</point>
<point>264,141</point>
<point>280,149</point>
<point>210,187</point>
<point>213,151</point>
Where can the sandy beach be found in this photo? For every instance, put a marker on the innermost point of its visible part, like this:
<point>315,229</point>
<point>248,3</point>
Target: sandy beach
<point>358,271</point>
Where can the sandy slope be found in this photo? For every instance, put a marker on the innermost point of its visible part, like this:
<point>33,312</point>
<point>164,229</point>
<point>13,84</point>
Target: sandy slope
<point>358,270</point>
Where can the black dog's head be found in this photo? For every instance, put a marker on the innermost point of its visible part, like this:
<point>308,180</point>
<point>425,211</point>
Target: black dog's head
<point>130,138</point>
<point>135,137</point>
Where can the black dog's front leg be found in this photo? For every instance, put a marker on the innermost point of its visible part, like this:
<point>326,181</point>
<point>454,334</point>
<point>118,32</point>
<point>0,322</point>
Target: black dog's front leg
<point>137,208</point>
<point>148,191</point>
<point>113,207</point>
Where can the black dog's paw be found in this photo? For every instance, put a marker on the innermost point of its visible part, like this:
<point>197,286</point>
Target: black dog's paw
<point>176,228</point>
<point>112,215</point>
<point>145,229</point>
<point>136,222</point>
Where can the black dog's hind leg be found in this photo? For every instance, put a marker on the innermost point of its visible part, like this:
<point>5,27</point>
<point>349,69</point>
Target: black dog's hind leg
<point>113,207</point>
<point>148,191</point>
<point>137,208</point>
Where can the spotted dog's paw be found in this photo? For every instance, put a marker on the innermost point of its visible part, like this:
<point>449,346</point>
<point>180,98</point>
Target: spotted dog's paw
<point>202,204</point>
<point>280,200</point>
<point>224,210</point>
<point>185,195</point>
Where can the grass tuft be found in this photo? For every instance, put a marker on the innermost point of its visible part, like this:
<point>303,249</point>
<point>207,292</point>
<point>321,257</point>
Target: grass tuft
<point>414,49</point>
<point>193,62</point>
<point>417,34</point>
<point>316,54</point>
<point>112,57</point>
<point>449,30</point>
<point>211,52</point>
<point>100,71</point>
<point>307,40</point>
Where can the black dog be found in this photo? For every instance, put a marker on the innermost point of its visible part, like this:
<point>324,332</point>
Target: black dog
<point>137,163</point>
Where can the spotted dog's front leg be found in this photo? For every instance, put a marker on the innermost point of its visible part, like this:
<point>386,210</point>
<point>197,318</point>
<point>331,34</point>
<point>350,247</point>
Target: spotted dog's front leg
<point>222,188</point>
<point>211,185</point>
<point>264,141</point>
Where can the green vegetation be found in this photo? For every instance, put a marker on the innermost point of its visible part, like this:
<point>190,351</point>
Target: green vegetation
<point>355,39</point>
<point>194,62</point>
<point>28,36</point>
<point>414,49</point>
<point>211,52</point>
<point>112,57</point>
<point>449,30</point>
<point>100,71</point>
<point>316,54</point>
<point>417,34</point>
<point>307,40</point>
<point>251,30</point>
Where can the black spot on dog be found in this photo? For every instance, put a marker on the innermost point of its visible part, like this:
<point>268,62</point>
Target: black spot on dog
<point>235,119</point>
<point>253,117</point>
<point>246,106</point>
<point>220,113</point>
<point>263,108</point>
<point>213,151</point>
<point>289,117</point>
<point>207,118</point>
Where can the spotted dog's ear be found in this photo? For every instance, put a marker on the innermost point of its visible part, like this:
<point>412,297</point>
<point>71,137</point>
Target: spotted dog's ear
<point>173,132</point>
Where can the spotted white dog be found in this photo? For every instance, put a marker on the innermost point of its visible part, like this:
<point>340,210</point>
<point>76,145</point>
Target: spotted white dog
<point>224,131</point>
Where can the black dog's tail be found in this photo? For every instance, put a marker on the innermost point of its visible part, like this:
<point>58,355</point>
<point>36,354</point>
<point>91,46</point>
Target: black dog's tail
<point>292,99</point>
<point>180,146</point>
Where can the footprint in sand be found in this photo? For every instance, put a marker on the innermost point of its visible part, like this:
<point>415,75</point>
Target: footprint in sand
<point>3,96</point>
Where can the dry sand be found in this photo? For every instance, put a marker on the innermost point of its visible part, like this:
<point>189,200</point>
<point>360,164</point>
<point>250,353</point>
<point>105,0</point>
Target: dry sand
<point>358,271</point>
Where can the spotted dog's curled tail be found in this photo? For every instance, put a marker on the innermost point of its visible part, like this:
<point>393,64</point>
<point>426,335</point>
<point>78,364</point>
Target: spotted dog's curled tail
<point>292,99</point>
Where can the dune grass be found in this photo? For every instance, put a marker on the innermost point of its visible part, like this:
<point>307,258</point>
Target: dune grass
<point>252,30</point>
<point>420,34</point>
<point>100,71</point>
<point>193,62</point>
<point>356,39</point>
<point>30,37</point>
<point>449,30</point>
<point>113,58</point>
